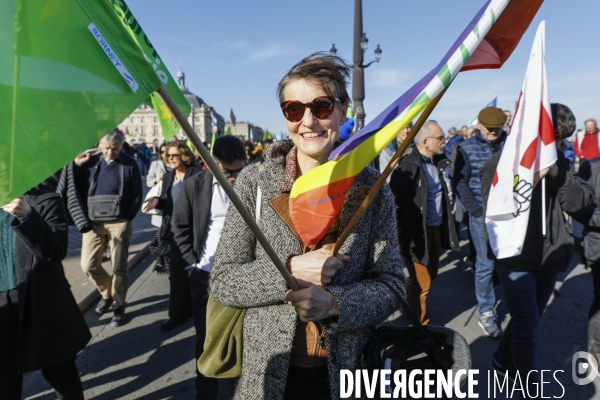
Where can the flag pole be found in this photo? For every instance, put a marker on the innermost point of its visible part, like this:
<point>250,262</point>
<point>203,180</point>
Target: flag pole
<point>216,171</point>
<point>387,171</point>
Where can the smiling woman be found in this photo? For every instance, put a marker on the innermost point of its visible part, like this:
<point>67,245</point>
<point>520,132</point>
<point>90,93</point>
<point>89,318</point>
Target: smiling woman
<point>296,342</point>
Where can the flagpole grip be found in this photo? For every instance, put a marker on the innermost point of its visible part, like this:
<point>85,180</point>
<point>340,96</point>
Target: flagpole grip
<point>216,171</point>
<point>387,171</point>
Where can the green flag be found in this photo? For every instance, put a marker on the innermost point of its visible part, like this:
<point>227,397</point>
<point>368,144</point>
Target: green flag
<point>69,73</point>
<point>167,122</point>
<point>227,131</point>
<point>212,141</point>
<point>266,135</point>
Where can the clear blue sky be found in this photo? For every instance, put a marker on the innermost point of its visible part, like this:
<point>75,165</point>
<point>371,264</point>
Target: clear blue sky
<point>234,52</point>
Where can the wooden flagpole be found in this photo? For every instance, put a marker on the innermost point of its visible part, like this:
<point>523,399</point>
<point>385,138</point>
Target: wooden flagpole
<point>387,171</point>
<point>216,171</point>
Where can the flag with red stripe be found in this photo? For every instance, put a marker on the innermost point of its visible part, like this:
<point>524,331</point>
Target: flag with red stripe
<point>529,148</point>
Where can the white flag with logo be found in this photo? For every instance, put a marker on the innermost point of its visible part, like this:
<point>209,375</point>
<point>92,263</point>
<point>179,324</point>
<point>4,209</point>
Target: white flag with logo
<point>529,148</point>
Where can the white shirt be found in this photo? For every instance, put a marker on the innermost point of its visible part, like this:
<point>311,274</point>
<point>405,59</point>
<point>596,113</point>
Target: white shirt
<point>218,211</point>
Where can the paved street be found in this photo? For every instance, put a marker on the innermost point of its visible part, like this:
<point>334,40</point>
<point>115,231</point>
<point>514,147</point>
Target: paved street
<point>138,361</point>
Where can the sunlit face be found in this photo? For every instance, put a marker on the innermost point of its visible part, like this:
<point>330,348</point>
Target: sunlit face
<point>314,137</point>
<point>590,126</point>
<point>174,160</point>
<point>110,150</point>
<point>435,141</point>
<point>491,134</point>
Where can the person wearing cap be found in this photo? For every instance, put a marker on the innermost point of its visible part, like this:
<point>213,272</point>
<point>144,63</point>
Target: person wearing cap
<point>386,155</point>
<point>470,157</point>
<point>527,279</point>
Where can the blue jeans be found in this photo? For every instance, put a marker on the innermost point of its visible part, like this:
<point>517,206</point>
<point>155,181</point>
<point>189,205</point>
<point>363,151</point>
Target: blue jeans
<point>484,267</point>
<point>526,295</point>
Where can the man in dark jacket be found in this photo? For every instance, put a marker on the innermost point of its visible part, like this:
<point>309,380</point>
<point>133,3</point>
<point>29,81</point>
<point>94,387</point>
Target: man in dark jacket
<point>470,157</point>
<point>41,326</point>
<point>111,173</point>
<point>528,278</point>
<point>198,220</point>
<point>425,217</point>
<point>590,218</point>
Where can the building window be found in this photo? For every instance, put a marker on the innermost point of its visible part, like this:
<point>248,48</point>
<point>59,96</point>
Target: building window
<point>143,133</point>
<point>197,130</point>
<point>155,130</point>
<point>132,120</point>
<point>142,120</point>
<point>155,119</point>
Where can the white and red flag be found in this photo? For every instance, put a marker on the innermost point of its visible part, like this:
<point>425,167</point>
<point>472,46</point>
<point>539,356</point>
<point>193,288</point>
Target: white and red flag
<point>529,148</point>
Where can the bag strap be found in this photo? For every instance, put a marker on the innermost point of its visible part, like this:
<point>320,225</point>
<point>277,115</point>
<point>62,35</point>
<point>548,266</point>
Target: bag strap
<point>121,180</point>
<point>405,308</point>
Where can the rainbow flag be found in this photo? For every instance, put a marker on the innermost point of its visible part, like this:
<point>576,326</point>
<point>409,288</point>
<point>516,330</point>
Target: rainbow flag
<point>487,42</point>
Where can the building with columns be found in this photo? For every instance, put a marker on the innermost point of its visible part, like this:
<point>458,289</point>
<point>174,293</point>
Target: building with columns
<point>143,125</point>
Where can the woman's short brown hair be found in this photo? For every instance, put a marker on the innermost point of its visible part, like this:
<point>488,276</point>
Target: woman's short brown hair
<point>186,155</point>
<point>329,72</point>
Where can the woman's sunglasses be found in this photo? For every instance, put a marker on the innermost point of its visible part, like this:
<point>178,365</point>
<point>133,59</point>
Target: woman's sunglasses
<point>321,107</point>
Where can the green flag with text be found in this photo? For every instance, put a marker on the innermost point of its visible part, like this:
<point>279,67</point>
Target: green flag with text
<point>70,72</point>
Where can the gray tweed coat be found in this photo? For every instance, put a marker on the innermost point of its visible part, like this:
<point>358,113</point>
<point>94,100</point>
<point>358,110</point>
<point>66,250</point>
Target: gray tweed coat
<point>242,280</point>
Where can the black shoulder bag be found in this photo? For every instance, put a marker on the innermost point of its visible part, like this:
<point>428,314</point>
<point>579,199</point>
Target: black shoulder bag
<point>105,207</point>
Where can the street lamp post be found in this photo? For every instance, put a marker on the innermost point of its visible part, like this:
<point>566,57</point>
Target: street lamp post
<point>358,77</point>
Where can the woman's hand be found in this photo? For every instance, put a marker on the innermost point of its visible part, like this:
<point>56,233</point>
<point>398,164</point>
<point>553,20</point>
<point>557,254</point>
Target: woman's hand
<point>151,204</point>
<point>312,302</point>
<point>18,207</point>
<point>317,267</point>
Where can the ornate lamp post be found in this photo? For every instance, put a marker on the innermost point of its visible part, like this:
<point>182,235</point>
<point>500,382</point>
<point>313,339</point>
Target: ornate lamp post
<point>358,77</point>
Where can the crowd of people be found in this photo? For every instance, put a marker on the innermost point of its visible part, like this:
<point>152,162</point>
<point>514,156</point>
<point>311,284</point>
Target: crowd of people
<point>295,342</point>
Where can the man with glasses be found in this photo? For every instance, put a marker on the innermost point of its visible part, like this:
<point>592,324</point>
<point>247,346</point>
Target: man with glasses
<point>471,155</point>
<point>425,217</point>
<point>198,220</point>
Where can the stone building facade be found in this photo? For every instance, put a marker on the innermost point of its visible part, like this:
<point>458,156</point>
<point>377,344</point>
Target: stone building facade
<point>242,128</point>
<point>143,125</point>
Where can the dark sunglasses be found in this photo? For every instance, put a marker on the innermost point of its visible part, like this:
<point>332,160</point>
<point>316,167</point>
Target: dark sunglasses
<point>321,107</point>
<point>229,172</point>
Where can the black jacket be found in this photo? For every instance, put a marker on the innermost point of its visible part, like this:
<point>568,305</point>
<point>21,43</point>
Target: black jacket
<point>165,201</point>
<point>409,185</point>
<point>590,216</point>
<point>566,192</point>
<point>52,329</point>
<point>74,185</point>
<point>73,199</point>
<point>191,216</point>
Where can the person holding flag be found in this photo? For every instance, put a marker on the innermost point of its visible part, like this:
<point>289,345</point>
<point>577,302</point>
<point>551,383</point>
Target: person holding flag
<point>526,226</point>
<point>296,342</point>
<point>527,278</point>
